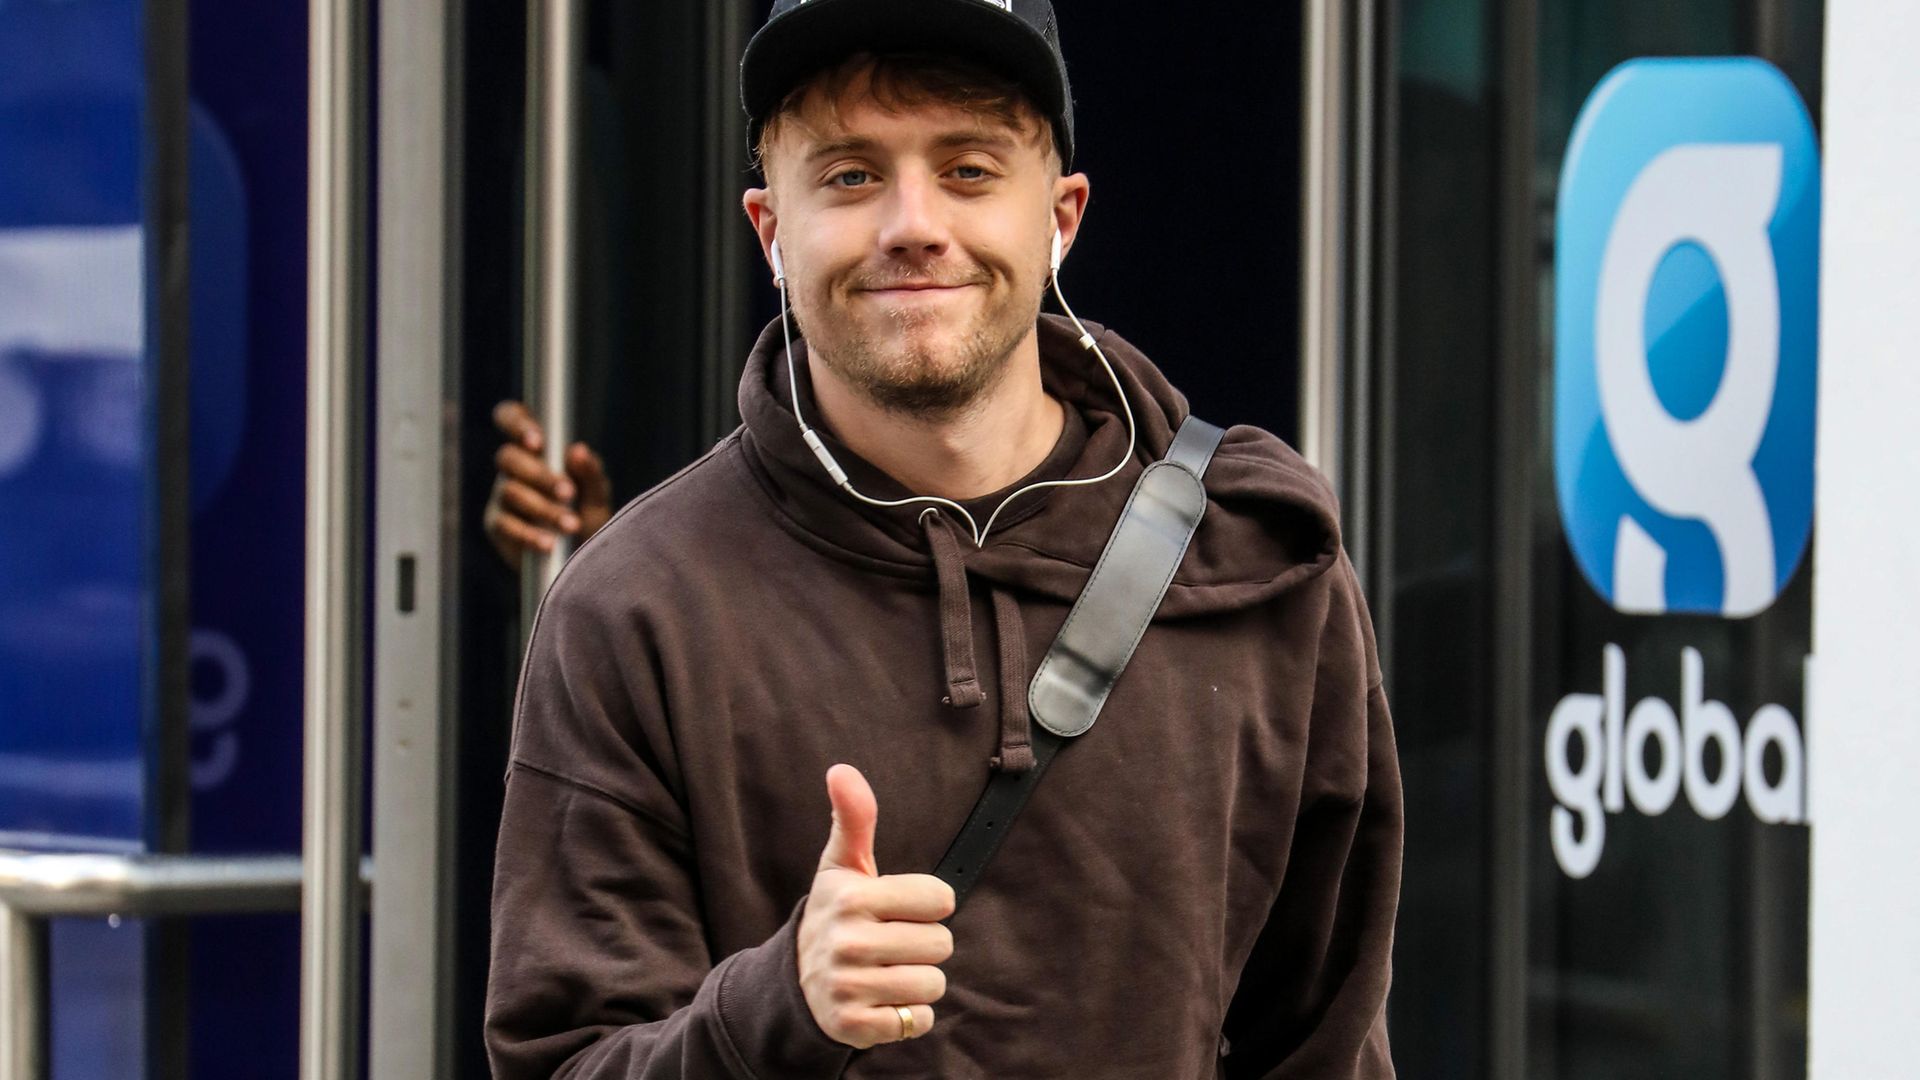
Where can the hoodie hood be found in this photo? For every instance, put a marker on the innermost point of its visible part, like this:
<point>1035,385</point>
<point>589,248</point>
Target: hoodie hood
<point>1271,522</point>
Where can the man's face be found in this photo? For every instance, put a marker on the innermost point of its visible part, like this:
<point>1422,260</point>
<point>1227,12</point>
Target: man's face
<point>915,242</point>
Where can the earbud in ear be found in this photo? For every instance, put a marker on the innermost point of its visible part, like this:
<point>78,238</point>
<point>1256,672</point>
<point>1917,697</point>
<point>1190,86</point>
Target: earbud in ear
<point>1055,263</point>
<point>779,270</point>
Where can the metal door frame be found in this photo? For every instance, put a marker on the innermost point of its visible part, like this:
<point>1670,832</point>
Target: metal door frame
<point>1339,223</point>
<point>416,599</point>
<point>335,660</point>
<point>1345,225</point>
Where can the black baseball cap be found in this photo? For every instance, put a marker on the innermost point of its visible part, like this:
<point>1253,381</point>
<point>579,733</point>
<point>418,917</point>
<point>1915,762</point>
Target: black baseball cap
<point>1018,38</point>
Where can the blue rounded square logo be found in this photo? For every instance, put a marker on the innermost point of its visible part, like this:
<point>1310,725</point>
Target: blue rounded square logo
<point>1685,348</point>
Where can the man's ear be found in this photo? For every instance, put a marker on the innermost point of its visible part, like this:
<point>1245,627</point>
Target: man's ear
<point>1070,195</point>
<point>758,203</point>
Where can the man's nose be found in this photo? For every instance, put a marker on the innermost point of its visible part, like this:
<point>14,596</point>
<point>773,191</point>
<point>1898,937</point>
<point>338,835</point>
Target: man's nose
<point>916,226</point>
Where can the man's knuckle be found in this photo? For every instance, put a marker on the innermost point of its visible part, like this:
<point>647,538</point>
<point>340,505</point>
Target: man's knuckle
<point>840,1024</point>
<point>865,897</point>
<point>848,952</point>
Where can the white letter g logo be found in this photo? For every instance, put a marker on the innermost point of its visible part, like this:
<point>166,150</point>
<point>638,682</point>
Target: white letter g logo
<point>1721,196</point>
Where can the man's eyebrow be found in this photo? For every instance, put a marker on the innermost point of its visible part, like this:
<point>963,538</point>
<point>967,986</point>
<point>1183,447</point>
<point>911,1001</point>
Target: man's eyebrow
<point>856,144</point>
<point>974,137</point>
<point>852,144</point>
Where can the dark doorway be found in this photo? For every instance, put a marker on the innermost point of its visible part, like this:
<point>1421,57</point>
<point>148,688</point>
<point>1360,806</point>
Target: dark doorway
<point>1189,129</point>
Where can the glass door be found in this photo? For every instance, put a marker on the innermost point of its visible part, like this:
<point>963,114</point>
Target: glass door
<point>1606,869</point>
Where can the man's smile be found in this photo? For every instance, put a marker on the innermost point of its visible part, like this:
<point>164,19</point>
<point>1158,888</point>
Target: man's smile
<point>911,292</point>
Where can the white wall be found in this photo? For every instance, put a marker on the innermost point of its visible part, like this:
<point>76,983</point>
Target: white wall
<point>1864,723</point>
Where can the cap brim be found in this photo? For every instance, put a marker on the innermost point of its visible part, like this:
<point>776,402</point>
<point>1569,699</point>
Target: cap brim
<point>820,34</point>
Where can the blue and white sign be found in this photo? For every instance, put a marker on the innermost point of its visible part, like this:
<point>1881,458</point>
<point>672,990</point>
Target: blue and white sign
<point>76,441</point>
<point>1686,297</point>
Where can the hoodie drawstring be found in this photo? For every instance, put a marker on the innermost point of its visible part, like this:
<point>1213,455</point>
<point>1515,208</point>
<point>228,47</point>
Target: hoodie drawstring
<point>956,612</point>
<point>1016,737</point>
<point>956,638</point>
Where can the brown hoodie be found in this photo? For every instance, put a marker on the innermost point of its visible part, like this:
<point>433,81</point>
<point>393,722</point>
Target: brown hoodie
<point>1203,884</point>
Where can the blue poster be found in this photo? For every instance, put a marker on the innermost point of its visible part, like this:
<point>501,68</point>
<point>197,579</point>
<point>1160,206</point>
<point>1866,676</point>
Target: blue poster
<point>76,469</point>
<point>75,444</point>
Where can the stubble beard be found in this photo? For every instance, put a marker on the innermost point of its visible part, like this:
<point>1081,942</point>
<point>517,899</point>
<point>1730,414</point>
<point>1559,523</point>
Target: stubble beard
<point>928,376</point>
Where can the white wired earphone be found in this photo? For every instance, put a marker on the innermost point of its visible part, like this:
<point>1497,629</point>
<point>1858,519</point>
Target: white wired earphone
<point>839,475</point>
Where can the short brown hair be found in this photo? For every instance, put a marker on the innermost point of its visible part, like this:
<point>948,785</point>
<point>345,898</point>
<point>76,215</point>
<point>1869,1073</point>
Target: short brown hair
<point>900,81</point>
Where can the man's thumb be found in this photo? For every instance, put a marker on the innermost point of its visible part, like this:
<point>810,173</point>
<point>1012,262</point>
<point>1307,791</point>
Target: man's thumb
<point>855,812</point>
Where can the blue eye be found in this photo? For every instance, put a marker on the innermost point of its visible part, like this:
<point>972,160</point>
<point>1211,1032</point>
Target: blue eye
<point>970,172</point>
<point>851,178</point>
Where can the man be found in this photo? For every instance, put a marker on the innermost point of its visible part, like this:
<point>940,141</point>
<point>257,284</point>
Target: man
<point>1203,884</point>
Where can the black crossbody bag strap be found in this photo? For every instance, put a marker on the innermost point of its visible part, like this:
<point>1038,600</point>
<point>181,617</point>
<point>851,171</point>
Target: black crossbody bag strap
<point>1100,634</point>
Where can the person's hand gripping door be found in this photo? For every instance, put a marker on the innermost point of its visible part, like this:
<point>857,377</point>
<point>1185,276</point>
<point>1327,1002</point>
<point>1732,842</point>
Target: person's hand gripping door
<point>530,504</point>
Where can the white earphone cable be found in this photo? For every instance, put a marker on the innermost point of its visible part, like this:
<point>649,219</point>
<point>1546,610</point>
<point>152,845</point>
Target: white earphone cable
<point>839,475</point>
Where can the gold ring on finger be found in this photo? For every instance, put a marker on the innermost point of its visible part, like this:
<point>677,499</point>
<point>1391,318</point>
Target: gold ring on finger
<point>906,1021</point>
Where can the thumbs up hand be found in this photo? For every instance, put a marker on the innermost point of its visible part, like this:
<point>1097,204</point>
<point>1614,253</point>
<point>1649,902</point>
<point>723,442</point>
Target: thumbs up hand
<point>868,943</point>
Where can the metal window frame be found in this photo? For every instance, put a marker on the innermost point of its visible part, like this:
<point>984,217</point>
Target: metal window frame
<point>335,659</point>
<point>416,544</point>
<point>556,31</point>
<point>1348,183</point>
<point>23,1011</point>
<point>166,192</point>
<point>1384,334</point>
<point>1516,438</point>
<point>724,338</point>
<point>1339,281</point>
<point>1324,138</point>
<point>35,887</point>
<point>169,297</point>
